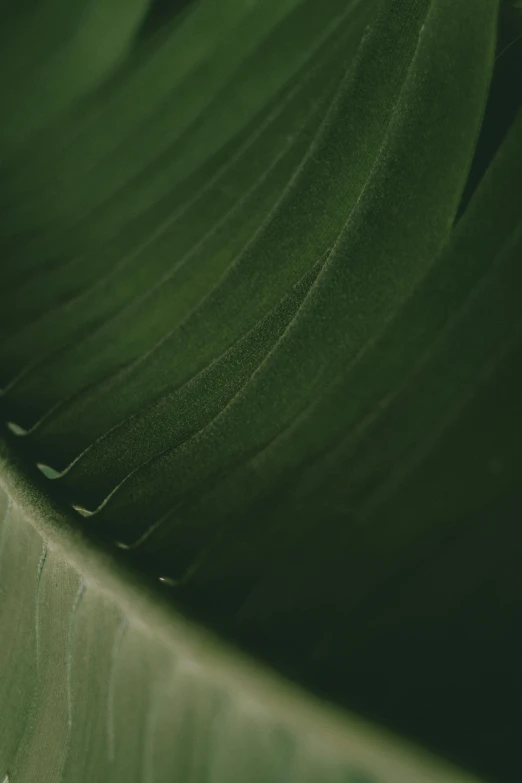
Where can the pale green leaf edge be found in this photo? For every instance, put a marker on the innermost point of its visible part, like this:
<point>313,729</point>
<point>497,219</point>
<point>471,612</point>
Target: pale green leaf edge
<point>327,739</point>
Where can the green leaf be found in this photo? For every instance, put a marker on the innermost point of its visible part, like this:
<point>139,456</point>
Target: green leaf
<point>105,681</point>
<point>261,338</point>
